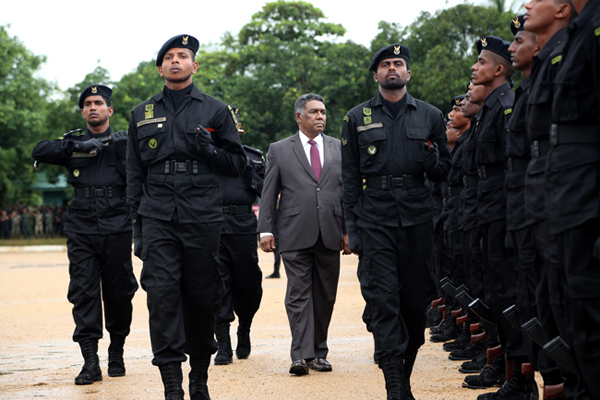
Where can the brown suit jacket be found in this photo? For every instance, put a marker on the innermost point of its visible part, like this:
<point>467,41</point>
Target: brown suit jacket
<point>307,207</point>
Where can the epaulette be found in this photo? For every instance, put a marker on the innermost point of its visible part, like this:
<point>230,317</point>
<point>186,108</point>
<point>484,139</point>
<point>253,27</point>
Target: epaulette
<point>253,150</point>
<point>74,132</point>
<point>506,101</point>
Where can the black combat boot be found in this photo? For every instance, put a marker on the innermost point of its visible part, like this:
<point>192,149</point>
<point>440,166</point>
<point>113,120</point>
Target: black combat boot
<point>116,365</point>
<point>518,387</point>
<point>409,362</point>
<point>394,378</point>
<point>494,373</point>
<point>449,332</point>
<point>476,365</point>
<point>224,353</point>
<point>242,351</point>
<point>91,371</point>
<point>462,341</point>
<point>434,317</point>
<point>199,377</point>
<point>172,379</point>
<point>469,353</point>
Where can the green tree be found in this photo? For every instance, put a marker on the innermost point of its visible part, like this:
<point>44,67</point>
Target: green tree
<point>23,108</point>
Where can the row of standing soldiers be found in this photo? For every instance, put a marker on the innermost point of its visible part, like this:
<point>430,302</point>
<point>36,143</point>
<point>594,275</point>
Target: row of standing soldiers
<point>24,222</point>
<point>517,223</point>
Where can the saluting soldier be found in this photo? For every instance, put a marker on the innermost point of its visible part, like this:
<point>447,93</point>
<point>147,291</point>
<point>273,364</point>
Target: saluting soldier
<point>389,210</point>
<point>573,184</point>
<point>98,230</point>
<point>173,189</point>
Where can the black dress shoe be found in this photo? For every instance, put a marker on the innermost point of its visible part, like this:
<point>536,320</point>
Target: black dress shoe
<point>320,364</point>
<point>299,367</point>
<point>273,275</point>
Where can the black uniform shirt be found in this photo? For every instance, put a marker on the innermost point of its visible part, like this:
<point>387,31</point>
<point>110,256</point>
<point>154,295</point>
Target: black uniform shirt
<point>491,145</point>
<point>468,197</point>
<point>376,144</point>
<point>454,184</point>
<point>159,134</point>
<point>518,153</point>
<point>539,119</point>
<point>572,169</point>
<point>242,191</point>
<point>97,215</point>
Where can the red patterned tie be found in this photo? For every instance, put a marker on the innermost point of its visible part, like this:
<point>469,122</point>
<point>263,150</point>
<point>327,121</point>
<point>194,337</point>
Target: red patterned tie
<point>315,160</point>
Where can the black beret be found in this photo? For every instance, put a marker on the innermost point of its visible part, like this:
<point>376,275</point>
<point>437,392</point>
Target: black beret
<point>495,45</point>
<point>177,42</point>
<point>95,90</point>
<point>516,24</point>
<point>456,100</point>
<point>391,51</point>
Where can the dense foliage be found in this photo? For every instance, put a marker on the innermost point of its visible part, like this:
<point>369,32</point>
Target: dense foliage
<point>285,50</point>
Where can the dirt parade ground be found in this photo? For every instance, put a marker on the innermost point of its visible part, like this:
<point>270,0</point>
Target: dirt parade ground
<point>38,359</point>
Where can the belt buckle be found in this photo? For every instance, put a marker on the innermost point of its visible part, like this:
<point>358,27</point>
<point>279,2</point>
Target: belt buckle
<point>482,172</point>
<point>188,168</point>
<point>535,149</point>
<point>99,192</point>
<point>397,181</point>
<point>554,135</point>
<point>173,167</point>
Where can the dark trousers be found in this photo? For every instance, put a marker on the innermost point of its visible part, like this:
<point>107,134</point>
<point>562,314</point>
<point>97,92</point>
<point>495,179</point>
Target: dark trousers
<point>582,271</point>
<point>527,301</point>
<point>100,269</point>
<point>181,277</point>
<point>242,278</point>
<point>397,282</point>
<point>500,284</point>
<point>312,279</point>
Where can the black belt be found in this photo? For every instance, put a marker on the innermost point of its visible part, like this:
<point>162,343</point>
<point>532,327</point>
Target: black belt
<point>105,191</point>
<point>489,170</point>
<point>454,190</point>
<point>570,134</point>
<point>517,164</point>
<point>470,181</point>
<point>172,167</point>
<point>391,182</point>
<point>540,148</point>
<point>237,210</point>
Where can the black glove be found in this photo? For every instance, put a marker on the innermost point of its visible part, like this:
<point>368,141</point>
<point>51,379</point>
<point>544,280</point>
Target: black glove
<point>354,242</point>
<point>138,242</point>
<point>119,139</point>
<point>430,155</point>
<point>91,144</point>
<point>597,250</point>
<point>203,139</point>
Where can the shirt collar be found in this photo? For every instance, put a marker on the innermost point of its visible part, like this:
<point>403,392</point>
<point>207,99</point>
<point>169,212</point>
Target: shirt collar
<point>318,139</point>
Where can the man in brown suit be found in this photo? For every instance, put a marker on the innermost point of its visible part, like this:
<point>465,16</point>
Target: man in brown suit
<point>306,169</point>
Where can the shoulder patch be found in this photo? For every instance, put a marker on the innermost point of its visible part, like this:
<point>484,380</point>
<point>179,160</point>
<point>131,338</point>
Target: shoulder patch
<point>597,31</point>
<point>507,111</point>
<point>344,141</point>
<point>369,127</point>
<point>346,119</point>
<point>556,59</point>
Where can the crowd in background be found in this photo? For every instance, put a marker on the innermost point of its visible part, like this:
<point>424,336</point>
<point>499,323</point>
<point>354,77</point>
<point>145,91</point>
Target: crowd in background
<point>20,221</point>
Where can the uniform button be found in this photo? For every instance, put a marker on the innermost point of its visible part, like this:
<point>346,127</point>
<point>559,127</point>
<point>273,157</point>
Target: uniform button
<point>215,152</point>
<point>253,186</point>
<point>318,189</point>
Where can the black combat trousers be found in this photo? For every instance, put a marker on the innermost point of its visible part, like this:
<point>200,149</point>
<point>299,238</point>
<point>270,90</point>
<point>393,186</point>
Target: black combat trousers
<point>397,282</point>
<point>500,284</point>
<point>582,270</point>
<point>242,278</point>
<point>181,277</point>
<point>100,269</point>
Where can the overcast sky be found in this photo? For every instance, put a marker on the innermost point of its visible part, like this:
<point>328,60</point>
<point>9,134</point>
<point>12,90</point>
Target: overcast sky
<point>77,36</point>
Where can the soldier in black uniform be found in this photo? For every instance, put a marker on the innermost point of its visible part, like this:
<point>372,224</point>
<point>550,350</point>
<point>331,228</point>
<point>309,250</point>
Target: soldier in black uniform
<point>552,297</point>
<point>518,239</point>
<point>176,202</point>
<point>390,220</point>
<point>98,232</point>
<point>573,184</point>
<point>239,258</point>
<point>493,70</point>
